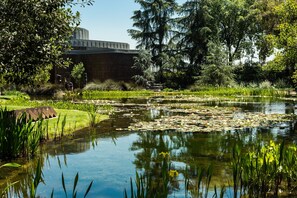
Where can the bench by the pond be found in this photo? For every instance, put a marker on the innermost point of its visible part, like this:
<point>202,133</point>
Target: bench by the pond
<point>37,112</point>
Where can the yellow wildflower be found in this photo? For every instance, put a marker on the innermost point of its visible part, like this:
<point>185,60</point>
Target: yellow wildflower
<point>164,154</point>
<point>173,173</point>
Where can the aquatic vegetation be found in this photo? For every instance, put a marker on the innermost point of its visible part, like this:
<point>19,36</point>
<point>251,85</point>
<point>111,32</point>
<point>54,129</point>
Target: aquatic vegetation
<point>158,183</point>
<point>239,91</point>
<point>263,171</point>
<point>93,115</point>
<point>201,91</point>
<point>37,178</point>
<point>266,170</point>
<point>19,136</point>
<point>12,165</point>
<point>210,119</point>
<point>56,127</point>
<point>199,184</point>
<point>88,95</point>
<point>165,180</point>
<point>74,188</point>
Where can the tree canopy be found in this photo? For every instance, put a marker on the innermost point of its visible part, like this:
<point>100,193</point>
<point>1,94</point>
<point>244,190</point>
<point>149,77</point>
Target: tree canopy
<point>154,25</point>
<point>247,31</point>
<point>33,36</point>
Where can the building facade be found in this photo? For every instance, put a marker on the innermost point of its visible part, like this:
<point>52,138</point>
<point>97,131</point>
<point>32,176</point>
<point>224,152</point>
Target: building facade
<point>102,59</point>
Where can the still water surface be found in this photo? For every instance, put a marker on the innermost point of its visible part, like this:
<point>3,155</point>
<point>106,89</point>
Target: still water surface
<point>110,158</point>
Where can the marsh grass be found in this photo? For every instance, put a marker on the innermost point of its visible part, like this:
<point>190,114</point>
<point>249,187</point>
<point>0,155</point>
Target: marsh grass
<point>198,185</point>
<point>57,132</point>
<point>158,184</point>
<point>238,91</point>
<point>19,136</point>
<point>265,170</point>
<point>74,188</point>
<point>165,180</point>
<point>93,115</point>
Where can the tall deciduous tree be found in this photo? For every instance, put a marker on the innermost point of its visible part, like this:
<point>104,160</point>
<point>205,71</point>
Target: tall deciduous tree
<point>235,21</point>
<point>33,36</point>
<point>266,20</point>
<point>285,39</point>
<point>153,23</point>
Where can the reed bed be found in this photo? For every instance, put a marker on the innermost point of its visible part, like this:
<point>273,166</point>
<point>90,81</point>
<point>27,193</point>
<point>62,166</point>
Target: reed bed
<point>264,171</point>
<point>19,136</point>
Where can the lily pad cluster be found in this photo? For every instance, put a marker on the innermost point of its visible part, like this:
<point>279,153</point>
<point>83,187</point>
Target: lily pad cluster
<point>210,119</point>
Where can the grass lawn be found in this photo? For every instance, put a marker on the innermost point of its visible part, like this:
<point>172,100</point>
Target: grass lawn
<point>75,120</point>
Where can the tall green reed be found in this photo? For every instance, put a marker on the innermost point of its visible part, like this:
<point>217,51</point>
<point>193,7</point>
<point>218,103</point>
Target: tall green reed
<point>19,136</point>
<point>265,170</point>
<point>93,115</point>
<point>198,184</point>
<point>74,188</point>
<point>157,183</point>
<point>59,133</point>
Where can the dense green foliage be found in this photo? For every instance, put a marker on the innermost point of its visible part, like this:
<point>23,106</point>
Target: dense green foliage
<point>18,135</point>
<point>155,24</point>
<point>267,168</point>
<point>33,36</point>
<point>216,70</point>
<point>247,31</point>
<point>77,73</point>
<point>143,64</point>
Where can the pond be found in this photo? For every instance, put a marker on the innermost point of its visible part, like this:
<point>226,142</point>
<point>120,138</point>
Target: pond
<point>110,154</point>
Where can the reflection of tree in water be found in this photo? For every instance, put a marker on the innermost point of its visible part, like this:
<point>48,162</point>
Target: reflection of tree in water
<point>150,161</point>
<point>194,150</point>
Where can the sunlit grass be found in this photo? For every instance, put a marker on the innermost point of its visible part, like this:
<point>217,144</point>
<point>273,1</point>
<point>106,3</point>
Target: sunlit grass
<point>201,91</point>
<point>117,94</point>
<point>75,120</point>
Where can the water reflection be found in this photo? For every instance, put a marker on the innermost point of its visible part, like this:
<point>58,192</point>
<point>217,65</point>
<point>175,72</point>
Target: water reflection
<point>110,157</point>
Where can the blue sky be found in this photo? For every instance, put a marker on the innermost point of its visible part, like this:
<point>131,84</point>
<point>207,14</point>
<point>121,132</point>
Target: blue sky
<point>109,20</point>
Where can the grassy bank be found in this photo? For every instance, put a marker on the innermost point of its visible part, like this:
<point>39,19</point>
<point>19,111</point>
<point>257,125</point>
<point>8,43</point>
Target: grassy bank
<point>201,91</point>
<point>117,94</point>
<point>74,120</point>
<point>240,91</point>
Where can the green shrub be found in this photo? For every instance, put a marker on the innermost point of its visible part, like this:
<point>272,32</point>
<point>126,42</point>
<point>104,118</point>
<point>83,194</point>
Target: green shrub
<point>110,85</point>
<point>265,85</point>
<point>16,95</point>
<point>281,83</point>
<point>216,71</point>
